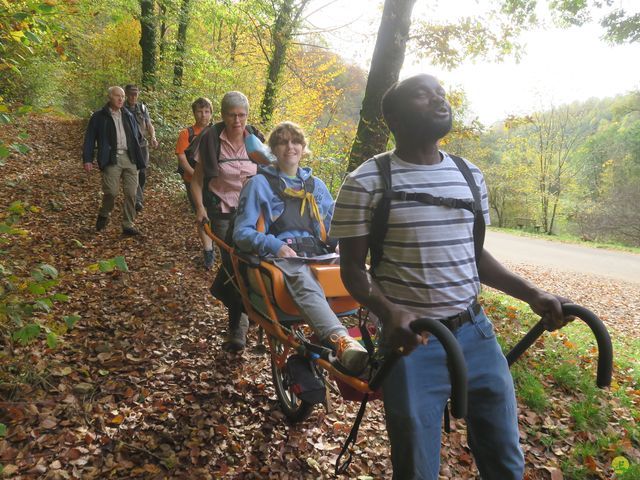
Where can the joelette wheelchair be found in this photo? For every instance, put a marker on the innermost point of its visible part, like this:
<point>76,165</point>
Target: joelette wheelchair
<point>301,366</point>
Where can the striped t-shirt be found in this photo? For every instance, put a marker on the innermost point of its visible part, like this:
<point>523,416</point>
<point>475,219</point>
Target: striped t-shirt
<point>428,263</point>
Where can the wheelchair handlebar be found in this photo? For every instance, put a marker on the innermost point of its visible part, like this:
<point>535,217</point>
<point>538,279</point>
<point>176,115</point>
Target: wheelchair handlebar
<point>455,363</point>
<point>605,349</point>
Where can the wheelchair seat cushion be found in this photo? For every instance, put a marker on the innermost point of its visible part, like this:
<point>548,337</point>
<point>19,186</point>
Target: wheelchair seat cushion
<point>328,276</point>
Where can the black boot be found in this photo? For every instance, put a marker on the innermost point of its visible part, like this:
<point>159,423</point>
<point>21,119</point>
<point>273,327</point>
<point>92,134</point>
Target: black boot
<point>237,336</point>
<point>101,223</point>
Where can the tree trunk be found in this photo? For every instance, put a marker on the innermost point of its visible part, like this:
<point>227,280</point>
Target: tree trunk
<point>163,30</point>
<point>181,43</point>
<point>233,46</point>
<point>148,41</point>
<point>280,38</point>
<point>388,56</point>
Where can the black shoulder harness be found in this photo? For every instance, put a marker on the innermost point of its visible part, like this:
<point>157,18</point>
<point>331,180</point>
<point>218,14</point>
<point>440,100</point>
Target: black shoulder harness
<point>380,218</point>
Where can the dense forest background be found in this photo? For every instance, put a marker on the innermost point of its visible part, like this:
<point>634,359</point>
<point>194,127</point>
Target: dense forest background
<point>563,169</point>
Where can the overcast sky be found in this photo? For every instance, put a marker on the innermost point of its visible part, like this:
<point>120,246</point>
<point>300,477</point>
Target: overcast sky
<point>558,65</point>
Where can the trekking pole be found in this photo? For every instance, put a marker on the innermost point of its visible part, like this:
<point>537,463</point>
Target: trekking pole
<point>605,350</point>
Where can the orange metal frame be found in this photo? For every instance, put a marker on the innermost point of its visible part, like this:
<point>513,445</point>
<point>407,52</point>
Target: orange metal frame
<point>337,296</point>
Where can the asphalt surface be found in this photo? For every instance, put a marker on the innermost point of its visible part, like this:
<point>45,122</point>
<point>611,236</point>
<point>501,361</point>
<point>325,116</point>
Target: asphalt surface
<point>564,256</point>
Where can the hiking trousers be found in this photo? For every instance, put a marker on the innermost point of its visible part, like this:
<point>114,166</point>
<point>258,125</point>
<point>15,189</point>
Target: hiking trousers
<point>222,287</point>
<point>416,391</point>
<point>126,171</point>
<point>142,175</point>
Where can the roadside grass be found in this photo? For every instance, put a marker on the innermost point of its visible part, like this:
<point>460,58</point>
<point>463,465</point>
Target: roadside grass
<point>584,426</point>
<point>566,238</point>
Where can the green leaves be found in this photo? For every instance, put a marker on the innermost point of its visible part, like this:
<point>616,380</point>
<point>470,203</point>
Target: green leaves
<point>23,298</point>
<point>52,340</point>
<point>116,263</point>
<point>17,208</point>
<point>45,8</point>
<point>21,148</point>
<point>27,334</point>
<point>48,270</point>
<point>70,320</point>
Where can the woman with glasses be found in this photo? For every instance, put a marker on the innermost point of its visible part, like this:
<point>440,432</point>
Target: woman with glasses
<point>222,168</point>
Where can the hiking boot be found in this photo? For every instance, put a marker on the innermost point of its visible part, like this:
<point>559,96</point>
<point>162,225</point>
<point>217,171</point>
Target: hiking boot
<point>237,338</point>
<point>353,356</point>
<point>130,231</point>
<point>209,259</point>
<point>139,207</point>
<point>101,223</point>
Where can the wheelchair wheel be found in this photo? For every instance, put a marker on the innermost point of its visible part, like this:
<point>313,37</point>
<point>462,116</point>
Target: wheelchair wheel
<point>293,407</point>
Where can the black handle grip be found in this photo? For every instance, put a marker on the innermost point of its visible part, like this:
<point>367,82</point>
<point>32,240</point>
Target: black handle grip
<point>455,363</point>
<point>605,349</point>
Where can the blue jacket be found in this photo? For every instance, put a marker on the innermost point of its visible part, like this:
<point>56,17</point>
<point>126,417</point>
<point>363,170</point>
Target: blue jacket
<point>102,130</point>
<point>258,197</point>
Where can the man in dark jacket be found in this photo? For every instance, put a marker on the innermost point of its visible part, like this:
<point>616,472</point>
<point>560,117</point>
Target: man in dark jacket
<point>116,133</point>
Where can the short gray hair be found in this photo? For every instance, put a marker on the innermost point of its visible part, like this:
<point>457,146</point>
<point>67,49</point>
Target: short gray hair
<point>113,89</point>
<point>234,100</point>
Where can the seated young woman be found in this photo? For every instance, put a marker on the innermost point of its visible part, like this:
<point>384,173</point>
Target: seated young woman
<point>297,209</point>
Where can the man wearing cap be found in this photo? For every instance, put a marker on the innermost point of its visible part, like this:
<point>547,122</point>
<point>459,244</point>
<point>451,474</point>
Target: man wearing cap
<point>117,136</point>
<point>141,114</point>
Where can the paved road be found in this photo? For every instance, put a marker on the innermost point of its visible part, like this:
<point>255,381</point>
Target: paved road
<point>564,256</point>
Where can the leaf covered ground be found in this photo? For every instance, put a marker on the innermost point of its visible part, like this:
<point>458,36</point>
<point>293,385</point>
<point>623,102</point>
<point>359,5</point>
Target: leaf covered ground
<point>141,387</point>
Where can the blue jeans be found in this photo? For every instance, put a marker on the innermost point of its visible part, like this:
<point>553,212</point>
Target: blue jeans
<point>416,391</point>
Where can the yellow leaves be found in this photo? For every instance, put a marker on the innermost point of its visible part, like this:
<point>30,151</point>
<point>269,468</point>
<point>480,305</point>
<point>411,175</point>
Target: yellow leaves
<point>314,464</point>
<point>117,420</point>
<point>92,268</point>
<point>19,231</point>
<point>17,35</point>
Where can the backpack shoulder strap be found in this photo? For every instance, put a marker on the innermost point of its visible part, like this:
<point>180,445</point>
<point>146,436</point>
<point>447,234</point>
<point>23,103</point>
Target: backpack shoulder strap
<point>192,133</point>
<point>310,184</point>
<point>274,183</point>
<point>383,162</point>
<point>380,217</point>
<point>479,225</point>
<point>468,176</point>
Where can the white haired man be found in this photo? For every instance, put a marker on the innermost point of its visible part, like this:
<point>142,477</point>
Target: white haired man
<point>115,132</point>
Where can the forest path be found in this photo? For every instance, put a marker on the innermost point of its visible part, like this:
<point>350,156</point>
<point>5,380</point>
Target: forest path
<point>141,388</point>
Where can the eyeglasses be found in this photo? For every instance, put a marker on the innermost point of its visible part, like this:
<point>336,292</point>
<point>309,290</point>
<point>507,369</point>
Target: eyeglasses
<point>239,116</point>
